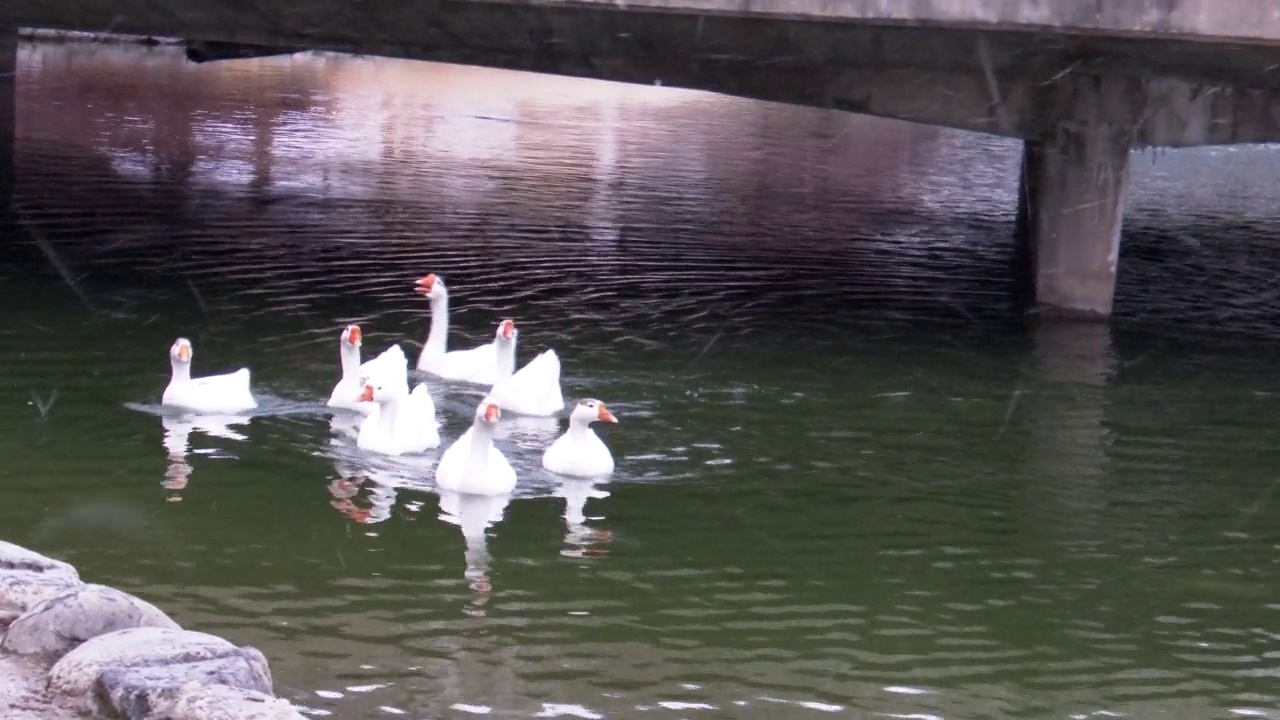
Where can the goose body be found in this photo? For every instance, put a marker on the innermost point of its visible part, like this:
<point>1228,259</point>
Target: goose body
<point>401,423</point>
<point>212,394</point>
<point>391,366</point>
<point>472,465</point>
<point>476,365</point>
<point>580,452</point>
<point>533,389</point>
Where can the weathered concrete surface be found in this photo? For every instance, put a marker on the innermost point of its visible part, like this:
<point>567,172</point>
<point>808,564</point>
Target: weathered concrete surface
<point>1074,184</point>
<point>1185,19</point>
<point>937,67</point>
<point>973,64</point>
<point>58,624</point>
<point>124,658</point>
<point>8,121</point>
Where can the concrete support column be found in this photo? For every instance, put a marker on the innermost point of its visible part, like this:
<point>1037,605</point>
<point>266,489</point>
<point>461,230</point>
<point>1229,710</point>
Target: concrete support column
<point>1074,185</point>
<point>8,116</point>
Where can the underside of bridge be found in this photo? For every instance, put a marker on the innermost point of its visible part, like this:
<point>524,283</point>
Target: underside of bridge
<point>1081,101</point>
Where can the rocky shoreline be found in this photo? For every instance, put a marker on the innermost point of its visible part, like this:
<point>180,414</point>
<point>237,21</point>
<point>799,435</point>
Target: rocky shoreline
<point>72,649</point>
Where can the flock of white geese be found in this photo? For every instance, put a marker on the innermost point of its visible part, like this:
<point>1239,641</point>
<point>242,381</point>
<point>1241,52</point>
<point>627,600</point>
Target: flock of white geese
<point>400,421</point>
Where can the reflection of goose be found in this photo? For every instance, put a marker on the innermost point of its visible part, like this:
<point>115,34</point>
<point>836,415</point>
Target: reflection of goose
<point>177,443</point>
<point>474,514</point>
<point>380,478</point>
<point>346,489</point>
<point>581,540</point>
<point>177,430</point>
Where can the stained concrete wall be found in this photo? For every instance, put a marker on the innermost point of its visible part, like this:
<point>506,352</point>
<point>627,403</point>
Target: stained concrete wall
<point>983,65</point>
<point>1213,20</point>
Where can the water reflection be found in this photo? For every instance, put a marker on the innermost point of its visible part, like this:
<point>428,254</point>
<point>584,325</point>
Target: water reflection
<point>582,541</point>
<point>373,489</point>
<point>1070,434</point>
<point>177,443</point>
<point>474,514</point>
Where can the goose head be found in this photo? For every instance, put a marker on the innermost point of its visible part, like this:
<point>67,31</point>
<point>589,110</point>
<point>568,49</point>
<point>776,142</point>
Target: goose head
<point>430,285</point>
<point>488,413</point>
<point>180,353</point>
<point>351,335</point>
<point>376,391</point>
<point>591,410</point>
<point>507,331</point>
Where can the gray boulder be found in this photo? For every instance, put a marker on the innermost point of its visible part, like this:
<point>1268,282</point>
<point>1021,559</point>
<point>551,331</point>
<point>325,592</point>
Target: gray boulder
<point>147,692</point>
<point>221,702</point>
<point>27,577</point>
<point>58,624</point>
<point>177,657</point>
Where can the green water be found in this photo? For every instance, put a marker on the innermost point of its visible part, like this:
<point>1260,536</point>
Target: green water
<point>851,481</point>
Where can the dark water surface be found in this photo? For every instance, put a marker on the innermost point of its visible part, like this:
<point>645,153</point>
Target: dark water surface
<point>852,480</point>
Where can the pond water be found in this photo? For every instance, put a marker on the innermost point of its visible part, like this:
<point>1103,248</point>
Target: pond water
<point>853,480</point>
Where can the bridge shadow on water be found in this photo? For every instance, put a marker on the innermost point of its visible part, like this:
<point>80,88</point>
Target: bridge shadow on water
<point>310,184</point>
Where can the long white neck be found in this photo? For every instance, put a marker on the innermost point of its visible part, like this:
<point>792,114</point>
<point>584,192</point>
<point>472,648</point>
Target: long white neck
<point>579,430</point>
<point>350,355</point>
<point>506,350</point>
<point>438,336</point>
<point>481,439</point>
<point>181,370</point>
<point>387,410</point>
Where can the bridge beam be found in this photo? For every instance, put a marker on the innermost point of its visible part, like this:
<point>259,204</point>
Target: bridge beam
<point>8,108</point>
<point>1074,183</point>
<point>8,131</point>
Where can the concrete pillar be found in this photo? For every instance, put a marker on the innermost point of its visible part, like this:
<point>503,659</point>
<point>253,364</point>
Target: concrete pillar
<point>1074,184</point>
<point>8,119</point>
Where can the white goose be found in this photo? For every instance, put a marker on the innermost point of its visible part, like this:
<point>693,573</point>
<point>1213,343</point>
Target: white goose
<point>580,452</point>
<point>402,422</point>
<point>472,465</point>
<point>216,394</point>
<point>391,366</point>
<point>477,365</point>
<point>533,389</point>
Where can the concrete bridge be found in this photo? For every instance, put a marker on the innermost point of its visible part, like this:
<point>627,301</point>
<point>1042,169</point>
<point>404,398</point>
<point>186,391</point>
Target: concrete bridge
<point>1083,82</point>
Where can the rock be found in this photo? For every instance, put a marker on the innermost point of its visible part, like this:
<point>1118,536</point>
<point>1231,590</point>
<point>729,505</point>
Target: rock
<point>27,577</point>
<point>58,624</point>
<point>75,676</point>
<point>22,694</point>
<point>219,702</point>
<point>142,692</point>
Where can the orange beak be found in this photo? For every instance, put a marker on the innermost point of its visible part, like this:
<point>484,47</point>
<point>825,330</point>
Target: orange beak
<point>184,353</point>
<point>366,395</point>
<point>604,415</point>
<point>491,413</point>
<point>508,329</point>
<point>424,284</point>
<point>353,334</point>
